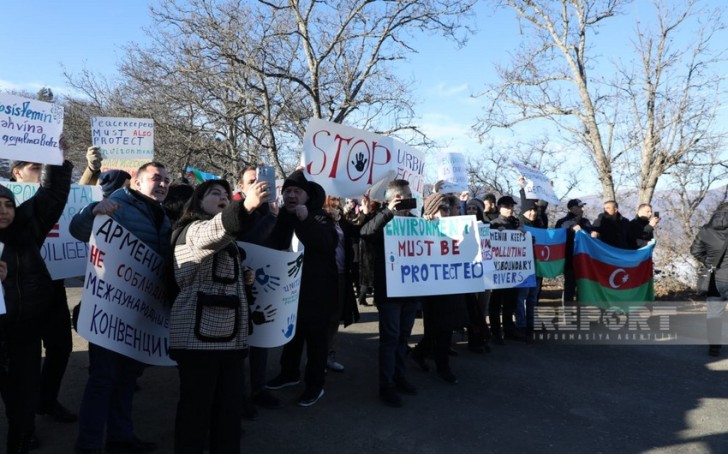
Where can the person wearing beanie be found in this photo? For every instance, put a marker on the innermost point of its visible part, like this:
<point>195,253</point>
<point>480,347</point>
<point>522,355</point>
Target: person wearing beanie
<point>475,207</point>
<point>114,179</point>
<point>26,280</point>
<point>302,213</point>
<point>396,315</point>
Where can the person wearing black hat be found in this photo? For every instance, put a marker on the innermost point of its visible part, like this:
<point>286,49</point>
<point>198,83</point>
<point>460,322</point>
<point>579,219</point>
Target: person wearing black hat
<point>573,222</point>
<point>26,280</point>
<point>503,299</point>
<point>303,213</point>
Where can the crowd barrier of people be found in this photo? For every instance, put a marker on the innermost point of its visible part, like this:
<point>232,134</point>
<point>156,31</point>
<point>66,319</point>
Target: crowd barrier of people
<point>196,229</point>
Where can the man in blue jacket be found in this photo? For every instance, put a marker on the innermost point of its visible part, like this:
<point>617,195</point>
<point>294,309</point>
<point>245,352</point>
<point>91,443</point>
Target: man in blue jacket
<point>107,399</point>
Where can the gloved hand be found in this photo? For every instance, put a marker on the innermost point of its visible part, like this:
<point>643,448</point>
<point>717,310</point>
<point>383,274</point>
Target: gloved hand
<point>93,156</point>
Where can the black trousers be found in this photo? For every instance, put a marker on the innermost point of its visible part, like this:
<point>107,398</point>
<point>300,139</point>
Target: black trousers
<point>210,401</point>
<point>58,344</point>
<point>314,334</point>
<point>502,300</point>
<point>19,384</point>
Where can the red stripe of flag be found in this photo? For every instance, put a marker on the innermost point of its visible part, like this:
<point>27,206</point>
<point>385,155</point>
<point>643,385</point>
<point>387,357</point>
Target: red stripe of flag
<point>612,276</point>
<point>54,232</point>
<point>549,252</point>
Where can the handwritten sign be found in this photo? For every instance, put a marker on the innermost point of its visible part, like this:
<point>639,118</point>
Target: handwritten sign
<point>276,289</point>
<point>123,306</point>
<point>453,170</point>
<point>538,185</point>
<point>512,254</point>
<point>347,161</point>
<point>126,143</point>
<point>438,257</point>
<point>64,255</point>
<point>30,130</point>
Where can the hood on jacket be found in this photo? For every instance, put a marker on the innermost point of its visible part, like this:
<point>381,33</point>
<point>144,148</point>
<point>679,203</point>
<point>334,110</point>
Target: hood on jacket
<point>316,196</point>
<point>719,220</point>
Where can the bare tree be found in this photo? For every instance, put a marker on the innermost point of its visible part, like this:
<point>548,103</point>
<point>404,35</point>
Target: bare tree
<point>236,81</point>
<point>651,118</point>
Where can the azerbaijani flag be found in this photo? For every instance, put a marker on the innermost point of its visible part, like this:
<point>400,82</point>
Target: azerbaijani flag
<point>548,250</point>
<point>198,176</point>
<point>607,276</point>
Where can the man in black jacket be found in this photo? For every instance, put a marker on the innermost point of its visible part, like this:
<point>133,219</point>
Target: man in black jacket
<point>573,222</point>
<point>302,214</point>
<point>642,227</point>
<point>396,315</point>
<point>612,226</point>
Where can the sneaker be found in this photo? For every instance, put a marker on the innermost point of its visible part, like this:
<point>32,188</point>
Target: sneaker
<point>447,376</point>
<point>389,396</point>
<point>281,382</point>
<point>264,398</point>
<point>404,386</point>
<point>310,397</point>
<point>332,364</point>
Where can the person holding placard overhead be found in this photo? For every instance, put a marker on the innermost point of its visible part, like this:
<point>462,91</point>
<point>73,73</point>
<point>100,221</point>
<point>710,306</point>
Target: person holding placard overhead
<point>26,280</point>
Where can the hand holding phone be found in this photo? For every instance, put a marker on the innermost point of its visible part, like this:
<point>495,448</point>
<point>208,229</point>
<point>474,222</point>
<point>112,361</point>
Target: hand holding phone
<point>407,204</point>
<point>267,174</point>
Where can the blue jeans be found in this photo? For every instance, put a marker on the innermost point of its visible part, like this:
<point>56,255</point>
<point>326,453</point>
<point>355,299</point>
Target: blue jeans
<point>525,307</point>
<point>107,398</point>
<point>395,326</point>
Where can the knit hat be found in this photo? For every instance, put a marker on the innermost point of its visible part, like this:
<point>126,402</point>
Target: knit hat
<point>111,180</point>
<point>477,202</point>
<point>433,202</point>
<point>297,179</point>
<point>7,194</point>
<point>529,204</point>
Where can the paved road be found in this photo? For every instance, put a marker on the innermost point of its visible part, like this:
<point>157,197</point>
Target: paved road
<point>539,398</point>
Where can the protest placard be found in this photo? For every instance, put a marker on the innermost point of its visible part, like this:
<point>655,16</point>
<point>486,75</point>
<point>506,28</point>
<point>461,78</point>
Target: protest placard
<point>64,255</point>
<point>2,291</point>
<point>124,296</point>
<point>30,130</point>
<point>538,185</point>
<point>438,257</point>
<point>410,167</point>
<point>125,143</point>
<point>276,289</point>
<point>452,169</point>
<point>513,266</point>
<point>347,161</point>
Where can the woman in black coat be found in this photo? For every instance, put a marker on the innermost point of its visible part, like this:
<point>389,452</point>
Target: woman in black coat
<point>708,249</point>
<point>25,281</point>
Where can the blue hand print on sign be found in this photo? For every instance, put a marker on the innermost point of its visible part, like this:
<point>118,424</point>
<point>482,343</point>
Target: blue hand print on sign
<point>288,332</point>
<point>267,281</point>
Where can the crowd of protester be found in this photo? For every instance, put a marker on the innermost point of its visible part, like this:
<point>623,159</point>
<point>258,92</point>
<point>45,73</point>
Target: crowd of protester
<point>197,228</point>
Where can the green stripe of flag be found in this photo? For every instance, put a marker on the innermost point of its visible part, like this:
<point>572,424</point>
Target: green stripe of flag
<point>549,269</point>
